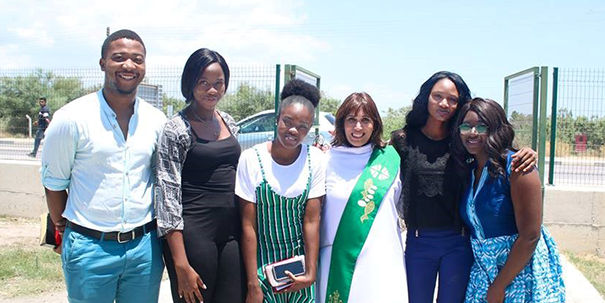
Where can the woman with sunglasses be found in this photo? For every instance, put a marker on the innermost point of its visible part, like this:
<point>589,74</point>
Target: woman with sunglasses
<point>437,243</point>
<point>516,259</point>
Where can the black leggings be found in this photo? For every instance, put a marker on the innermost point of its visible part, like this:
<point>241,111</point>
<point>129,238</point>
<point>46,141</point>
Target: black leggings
<point>218,264</point>
<point>211,238</point>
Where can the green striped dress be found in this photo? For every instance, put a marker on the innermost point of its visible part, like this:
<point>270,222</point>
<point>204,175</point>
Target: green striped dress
<point>279,222</point>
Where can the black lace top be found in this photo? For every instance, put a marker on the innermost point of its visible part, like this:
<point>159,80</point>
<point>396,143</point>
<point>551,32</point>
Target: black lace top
<point>430,194</point>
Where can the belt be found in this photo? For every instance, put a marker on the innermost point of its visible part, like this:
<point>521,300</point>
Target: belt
<point>118,236</point>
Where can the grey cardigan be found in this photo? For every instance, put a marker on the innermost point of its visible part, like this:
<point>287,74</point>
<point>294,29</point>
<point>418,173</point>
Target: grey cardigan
<point>174,143</point>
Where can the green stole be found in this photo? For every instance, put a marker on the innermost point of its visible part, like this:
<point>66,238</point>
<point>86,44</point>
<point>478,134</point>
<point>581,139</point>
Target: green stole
<point>357,219</point>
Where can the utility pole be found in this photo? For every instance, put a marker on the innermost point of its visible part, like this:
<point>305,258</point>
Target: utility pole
<point>108,31</point>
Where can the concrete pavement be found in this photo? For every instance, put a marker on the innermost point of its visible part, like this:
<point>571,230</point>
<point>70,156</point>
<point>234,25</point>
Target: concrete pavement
<point>579,290</point>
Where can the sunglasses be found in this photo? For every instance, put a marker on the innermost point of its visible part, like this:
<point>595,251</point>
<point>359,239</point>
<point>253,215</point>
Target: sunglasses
<point>465,128</point>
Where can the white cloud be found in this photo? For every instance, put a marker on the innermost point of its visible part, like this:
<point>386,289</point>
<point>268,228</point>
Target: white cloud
<point>12,57</point>
<point>269,31</point>
<point>339,91</point>
<point>384,95</point>
<point>387,96</point>
<point>153,60</point>
<point>35,34</point>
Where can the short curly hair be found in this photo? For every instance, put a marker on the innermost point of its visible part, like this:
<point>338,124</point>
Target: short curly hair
<point>123,33</point>
<point>299,92</point>
<point>296,87</point>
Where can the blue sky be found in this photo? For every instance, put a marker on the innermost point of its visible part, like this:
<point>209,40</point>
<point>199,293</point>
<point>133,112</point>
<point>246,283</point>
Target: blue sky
<point>386,48</point>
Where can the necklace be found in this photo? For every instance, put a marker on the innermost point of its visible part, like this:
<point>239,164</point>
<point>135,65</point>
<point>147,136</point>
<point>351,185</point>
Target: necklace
<point>215,123</point>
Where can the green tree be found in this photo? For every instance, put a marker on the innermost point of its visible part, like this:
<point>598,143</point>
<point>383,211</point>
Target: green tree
<point>329,104</point>
<point>19,96</point>
<point>177,104</point>
<point>522,124</point>
<point>393,120</point>
<point>247,100</point>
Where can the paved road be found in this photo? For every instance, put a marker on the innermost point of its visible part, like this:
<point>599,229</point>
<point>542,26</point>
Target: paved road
<point>568,171</point>
<point>17,149</point>
<point>585,172</point>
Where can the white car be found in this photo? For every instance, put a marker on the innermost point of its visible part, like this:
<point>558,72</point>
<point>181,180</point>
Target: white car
<point>259,128</point>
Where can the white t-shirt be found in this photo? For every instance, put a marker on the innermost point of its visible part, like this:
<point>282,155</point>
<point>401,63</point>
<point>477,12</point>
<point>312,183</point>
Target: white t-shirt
<point>286,180</point>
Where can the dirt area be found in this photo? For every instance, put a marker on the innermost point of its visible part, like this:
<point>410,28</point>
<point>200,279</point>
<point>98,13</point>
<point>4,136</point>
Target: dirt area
<point>54,297</point>
<point>19,231</point>
<point>25,232</point>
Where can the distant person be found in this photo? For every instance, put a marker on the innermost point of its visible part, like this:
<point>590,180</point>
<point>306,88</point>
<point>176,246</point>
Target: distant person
<point>198,215</point>
<point>42,123</point>
<point>280,185</point>
<point>516,259</point>
<point>98,173</point>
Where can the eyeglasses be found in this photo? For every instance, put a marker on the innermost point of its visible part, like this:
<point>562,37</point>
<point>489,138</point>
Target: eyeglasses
<point>352,121</point>
<point>479,128</point>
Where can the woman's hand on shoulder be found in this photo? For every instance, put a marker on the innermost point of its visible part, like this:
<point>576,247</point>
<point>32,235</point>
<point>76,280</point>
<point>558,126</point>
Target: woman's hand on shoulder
<point>398,140</point>
<point>524,160</point>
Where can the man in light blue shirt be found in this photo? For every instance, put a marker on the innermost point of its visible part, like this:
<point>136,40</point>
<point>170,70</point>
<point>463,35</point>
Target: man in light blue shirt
<point>98,173</point>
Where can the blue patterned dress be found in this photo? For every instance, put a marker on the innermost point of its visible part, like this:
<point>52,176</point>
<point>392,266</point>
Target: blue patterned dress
<point>489,214</point>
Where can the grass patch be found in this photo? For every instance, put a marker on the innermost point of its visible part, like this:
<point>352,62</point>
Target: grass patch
<point>29,271</point>
<point>592,267</point>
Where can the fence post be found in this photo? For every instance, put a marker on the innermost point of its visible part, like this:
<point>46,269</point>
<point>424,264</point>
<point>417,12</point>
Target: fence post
<point>505,101</point>
<point>542,120</point>
<point>553,126</point>
<point>29,124</point>
<point>277,76</point>
<point>535,134</point>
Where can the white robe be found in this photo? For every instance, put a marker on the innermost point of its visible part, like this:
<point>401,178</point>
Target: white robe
<point>380,269</point>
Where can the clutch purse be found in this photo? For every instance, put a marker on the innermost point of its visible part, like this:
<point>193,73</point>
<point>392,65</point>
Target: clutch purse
<point>276,272</point>
<point>49,236</point>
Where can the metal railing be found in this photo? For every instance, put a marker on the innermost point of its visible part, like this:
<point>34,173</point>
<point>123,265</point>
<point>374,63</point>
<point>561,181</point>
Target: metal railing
<point>252,88</point>
<point>577,127</point>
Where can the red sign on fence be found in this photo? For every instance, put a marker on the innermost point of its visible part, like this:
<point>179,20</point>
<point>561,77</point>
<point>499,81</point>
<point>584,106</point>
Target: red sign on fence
<point>581,143</point>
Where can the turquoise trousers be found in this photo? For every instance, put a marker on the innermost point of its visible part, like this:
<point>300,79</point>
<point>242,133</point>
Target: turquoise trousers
<point>103,271</point>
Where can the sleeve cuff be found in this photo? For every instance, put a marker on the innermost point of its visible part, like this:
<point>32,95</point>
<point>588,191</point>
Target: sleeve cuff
<point>163,229</point>
<point>54,184</point>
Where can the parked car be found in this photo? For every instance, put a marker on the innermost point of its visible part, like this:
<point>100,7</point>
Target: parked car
<point>259,128</point>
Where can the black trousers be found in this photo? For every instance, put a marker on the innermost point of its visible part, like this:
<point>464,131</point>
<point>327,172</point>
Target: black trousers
<point>214,253</point>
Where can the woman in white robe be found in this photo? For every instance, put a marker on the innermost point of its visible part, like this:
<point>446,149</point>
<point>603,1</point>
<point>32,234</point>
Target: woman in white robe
<point>378,265</point>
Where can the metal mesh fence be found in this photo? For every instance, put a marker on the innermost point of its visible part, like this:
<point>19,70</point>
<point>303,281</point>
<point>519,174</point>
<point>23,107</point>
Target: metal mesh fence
<point>580,127</point>
<point>520,108</point>
<point>251,90</point>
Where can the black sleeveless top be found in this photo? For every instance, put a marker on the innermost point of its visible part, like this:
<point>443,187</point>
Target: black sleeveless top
<point>209,172</point>
<point>208,188</point>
